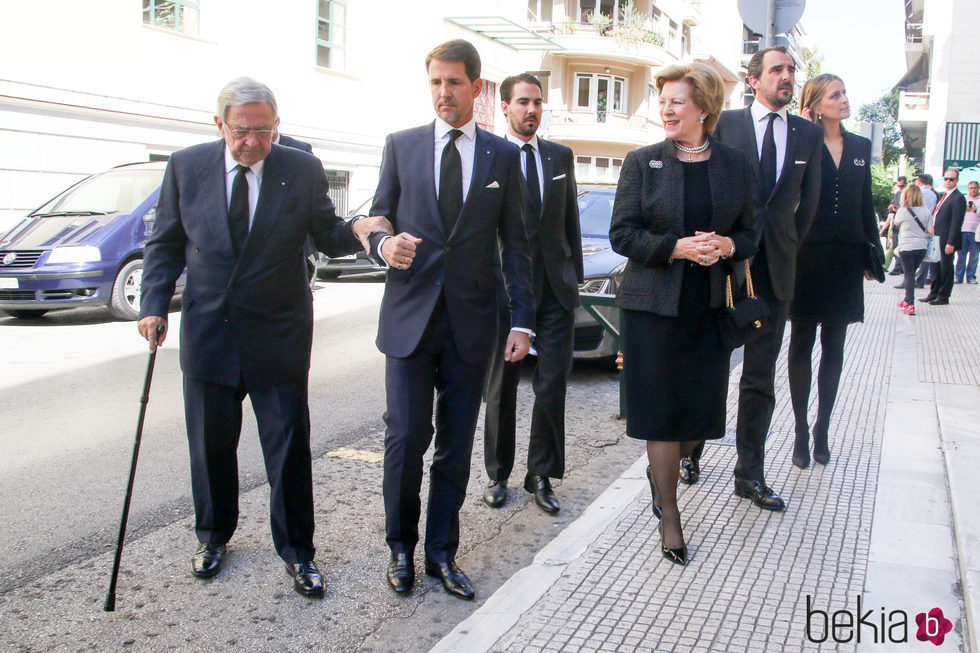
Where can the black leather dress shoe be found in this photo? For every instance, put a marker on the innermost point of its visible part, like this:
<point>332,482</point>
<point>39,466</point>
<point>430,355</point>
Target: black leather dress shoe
<point>401,573</point>
<point>690,470</point>
<point>928,298</point>
<point>453,579</point>
<point>307,579</point>
<point>207,560</point>
<point>496,494</point>
<point>544,496</point>
<point>939,301</point>
<point>761,495</point>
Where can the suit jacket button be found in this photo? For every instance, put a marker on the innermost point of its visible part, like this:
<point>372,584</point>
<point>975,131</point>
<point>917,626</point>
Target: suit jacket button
<point>439,282</point>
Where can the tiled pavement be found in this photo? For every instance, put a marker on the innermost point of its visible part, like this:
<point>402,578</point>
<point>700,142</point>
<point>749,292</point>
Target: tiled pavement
<point>877,523</point>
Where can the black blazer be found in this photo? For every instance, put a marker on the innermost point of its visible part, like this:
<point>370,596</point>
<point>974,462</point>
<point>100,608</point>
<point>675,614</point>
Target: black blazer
<point>949,219</point>
<point>458,265</point>
<point>557,232</point>
<point>846,210</point>
<point>289,141</point>
<point>648,220</point>
<point>789,211</point>
<point>249,317</point>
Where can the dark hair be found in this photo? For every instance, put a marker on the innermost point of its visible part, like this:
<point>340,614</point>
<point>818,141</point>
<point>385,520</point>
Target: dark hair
<point>457,50</point>
<point>902,179</point>
<point>707,88</point>
<point>925,178</point>
<point>507,85</point>
<point>754,69</point>
<point>952,170</point>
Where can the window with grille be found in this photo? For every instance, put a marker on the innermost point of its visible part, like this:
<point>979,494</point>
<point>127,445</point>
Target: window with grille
<point>331,34</point>
<point>484,106</point>
<point>179,15</point>
<point>603,94</point>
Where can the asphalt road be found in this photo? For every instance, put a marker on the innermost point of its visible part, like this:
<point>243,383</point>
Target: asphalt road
<point>71,387</point>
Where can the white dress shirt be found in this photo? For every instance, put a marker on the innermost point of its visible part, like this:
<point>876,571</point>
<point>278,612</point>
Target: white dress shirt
<point>466,144</point>
<point>254,178</point>
<point>537,159</point>
<point>780,125</point>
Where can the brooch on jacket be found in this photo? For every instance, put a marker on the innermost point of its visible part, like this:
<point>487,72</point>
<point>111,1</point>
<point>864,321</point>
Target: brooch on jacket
<point>656,164</point>
<point>859,162</point>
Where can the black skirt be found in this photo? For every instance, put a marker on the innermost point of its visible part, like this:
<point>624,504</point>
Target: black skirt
<point>829,283</point>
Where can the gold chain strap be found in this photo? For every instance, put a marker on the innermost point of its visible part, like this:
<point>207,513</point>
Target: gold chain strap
<point>749,288</point>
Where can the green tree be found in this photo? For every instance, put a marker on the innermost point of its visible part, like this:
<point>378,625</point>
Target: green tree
<point>884,110</point>
<point>813,60</point>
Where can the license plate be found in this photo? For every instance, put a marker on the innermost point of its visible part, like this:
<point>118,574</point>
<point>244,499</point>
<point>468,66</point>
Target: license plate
<point>8,283</point>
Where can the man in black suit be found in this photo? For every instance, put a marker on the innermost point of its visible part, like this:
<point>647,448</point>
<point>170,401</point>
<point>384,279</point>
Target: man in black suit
<point>788,150</point>
<point>451,190</point>
<point>948,215</point>
<point>235,213</point>
<point>551,212</point>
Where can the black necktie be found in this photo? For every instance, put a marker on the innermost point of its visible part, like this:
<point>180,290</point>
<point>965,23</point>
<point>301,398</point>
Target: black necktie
<point>768,160</point>
<point>450,183</point>
<point>238,210</point>
<point>533,187</point>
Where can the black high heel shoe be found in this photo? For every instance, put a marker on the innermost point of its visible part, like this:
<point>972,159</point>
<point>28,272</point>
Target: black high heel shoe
<point>677,556</point>
<point>657,512</point>
<point>821,451</point>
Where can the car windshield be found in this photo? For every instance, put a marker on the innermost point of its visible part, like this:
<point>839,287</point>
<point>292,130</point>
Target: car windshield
<point>116,191</point>
<point>595,212</point>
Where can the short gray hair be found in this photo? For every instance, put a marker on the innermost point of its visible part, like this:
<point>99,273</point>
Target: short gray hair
<point>244,90</point>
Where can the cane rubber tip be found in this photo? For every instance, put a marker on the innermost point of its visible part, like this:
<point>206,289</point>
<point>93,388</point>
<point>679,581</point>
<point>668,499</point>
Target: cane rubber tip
<point>110,604</point>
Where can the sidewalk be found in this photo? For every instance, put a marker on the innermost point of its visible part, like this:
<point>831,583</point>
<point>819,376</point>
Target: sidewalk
<point>891,522</point>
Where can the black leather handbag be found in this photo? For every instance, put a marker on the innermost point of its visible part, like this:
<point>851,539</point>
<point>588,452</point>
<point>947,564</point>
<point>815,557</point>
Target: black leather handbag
<point>739,318</point>
<point>874,262</point>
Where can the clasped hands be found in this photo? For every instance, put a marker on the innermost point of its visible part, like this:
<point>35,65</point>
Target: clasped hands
<point>703,248</point>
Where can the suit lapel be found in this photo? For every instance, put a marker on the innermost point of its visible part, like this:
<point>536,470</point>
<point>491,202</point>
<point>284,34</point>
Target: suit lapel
<point>789,157</point>
<point>267,209</point>
<point>215,210</point>
<point>547,173</point>
<point>482,160</point>
<point>749,144</point>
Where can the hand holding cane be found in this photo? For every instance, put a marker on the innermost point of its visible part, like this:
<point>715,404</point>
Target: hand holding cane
<point>110,599</point>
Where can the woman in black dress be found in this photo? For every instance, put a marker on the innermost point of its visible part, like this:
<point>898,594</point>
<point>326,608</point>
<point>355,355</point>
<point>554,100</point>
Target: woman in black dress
<point>832,263</point>
<point>684,210</point>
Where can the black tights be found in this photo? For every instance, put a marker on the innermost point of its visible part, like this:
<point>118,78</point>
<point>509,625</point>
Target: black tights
<point>664,459</point>
<point>801,340</point>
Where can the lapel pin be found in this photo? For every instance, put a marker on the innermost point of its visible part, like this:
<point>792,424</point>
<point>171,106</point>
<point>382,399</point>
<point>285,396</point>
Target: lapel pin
<point>859,162</point>
<point>656,164</point>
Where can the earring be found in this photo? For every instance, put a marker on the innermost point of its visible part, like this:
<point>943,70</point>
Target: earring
<point>819,116</point>
<point>701,120</point>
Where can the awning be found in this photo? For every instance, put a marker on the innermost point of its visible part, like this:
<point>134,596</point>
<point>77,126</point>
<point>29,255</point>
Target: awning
<point>505,32</point>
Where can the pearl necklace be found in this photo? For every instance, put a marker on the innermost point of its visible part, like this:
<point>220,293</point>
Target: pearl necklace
<point>691,151</point>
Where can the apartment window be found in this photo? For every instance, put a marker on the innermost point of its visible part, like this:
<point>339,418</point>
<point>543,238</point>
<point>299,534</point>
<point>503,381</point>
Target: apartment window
<point>685,40</point>
<point>656,16</point>
<point>178,15</point>
<point>544,76</point>
<point>673,35</point>
<point>331,34</point>
<point>597,169</point>
<point>539,10</point>
<point>653,103</point>
<point>603,94</point>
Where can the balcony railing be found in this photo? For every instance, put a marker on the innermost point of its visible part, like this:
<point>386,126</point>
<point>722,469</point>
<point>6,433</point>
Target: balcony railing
<point>693,14</point>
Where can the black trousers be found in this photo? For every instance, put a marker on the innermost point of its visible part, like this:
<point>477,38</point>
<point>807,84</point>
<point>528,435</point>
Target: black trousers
<point>214,421</point>
<point>942,274</point>
<point>756,389</point>
<point>911,260</point>
<point>553,341</point>
<point>434,368</point>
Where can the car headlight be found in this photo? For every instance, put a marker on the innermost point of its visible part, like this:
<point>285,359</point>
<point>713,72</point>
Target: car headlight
<point>76,254</point>
<point>597,286</point>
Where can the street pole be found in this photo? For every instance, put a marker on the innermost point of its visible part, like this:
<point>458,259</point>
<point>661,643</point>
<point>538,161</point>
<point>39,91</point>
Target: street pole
<point>770,36</point>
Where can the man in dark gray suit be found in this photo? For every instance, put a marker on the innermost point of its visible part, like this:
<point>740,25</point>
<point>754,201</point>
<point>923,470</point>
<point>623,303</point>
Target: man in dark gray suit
<point>551,212</point>
<point>788,151</point>
<point>236,213</point>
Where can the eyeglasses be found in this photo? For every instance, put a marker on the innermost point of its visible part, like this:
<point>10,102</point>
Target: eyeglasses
<point>950,179</point>
<point>263,134</point>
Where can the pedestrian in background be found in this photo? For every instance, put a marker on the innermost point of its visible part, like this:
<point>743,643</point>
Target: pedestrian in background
<point>682,205</point>
<point>915,223</point>
<point>949,216</point>
<point>832,264</point>
<point>889,231</point>
<point>966,259</point>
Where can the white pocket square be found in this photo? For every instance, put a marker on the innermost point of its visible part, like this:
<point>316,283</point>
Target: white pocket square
<point>493,184</point>
<point>561,176</point>
<point>801,163</point>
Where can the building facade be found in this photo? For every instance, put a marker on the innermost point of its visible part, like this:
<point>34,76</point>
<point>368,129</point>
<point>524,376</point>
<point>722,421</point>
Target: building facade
<point>82,91</point>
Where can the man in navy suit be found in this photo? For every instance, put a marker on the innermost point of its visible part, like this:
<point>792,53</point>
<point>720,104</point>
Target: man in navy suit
<point>551,211</point>
<point>451,190</point>
<point>788,151</point>
<point>949,214</point>
<point>236,213</point>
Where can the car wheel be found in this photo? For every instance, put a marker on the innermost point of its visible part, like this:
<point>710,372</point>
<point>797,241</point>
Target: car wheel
<point>24,313</point>
<point>125,301</point>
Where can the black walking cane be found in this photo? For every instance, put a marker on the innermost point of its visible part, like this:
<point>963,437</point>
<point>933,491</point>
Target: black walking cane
<point>110,599</point>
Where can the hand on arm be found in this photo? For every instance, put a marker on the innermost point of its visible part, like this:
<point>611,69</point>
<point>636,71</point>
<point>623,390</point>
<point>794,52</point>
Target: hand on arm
<point>364,227</point>
<point>399,251</point>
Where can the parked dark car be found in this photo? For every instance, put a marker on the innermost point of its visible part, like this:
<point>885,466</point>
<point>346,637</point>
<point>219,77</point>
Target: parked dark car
<point>603,273</point>
<point>85,246</point>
